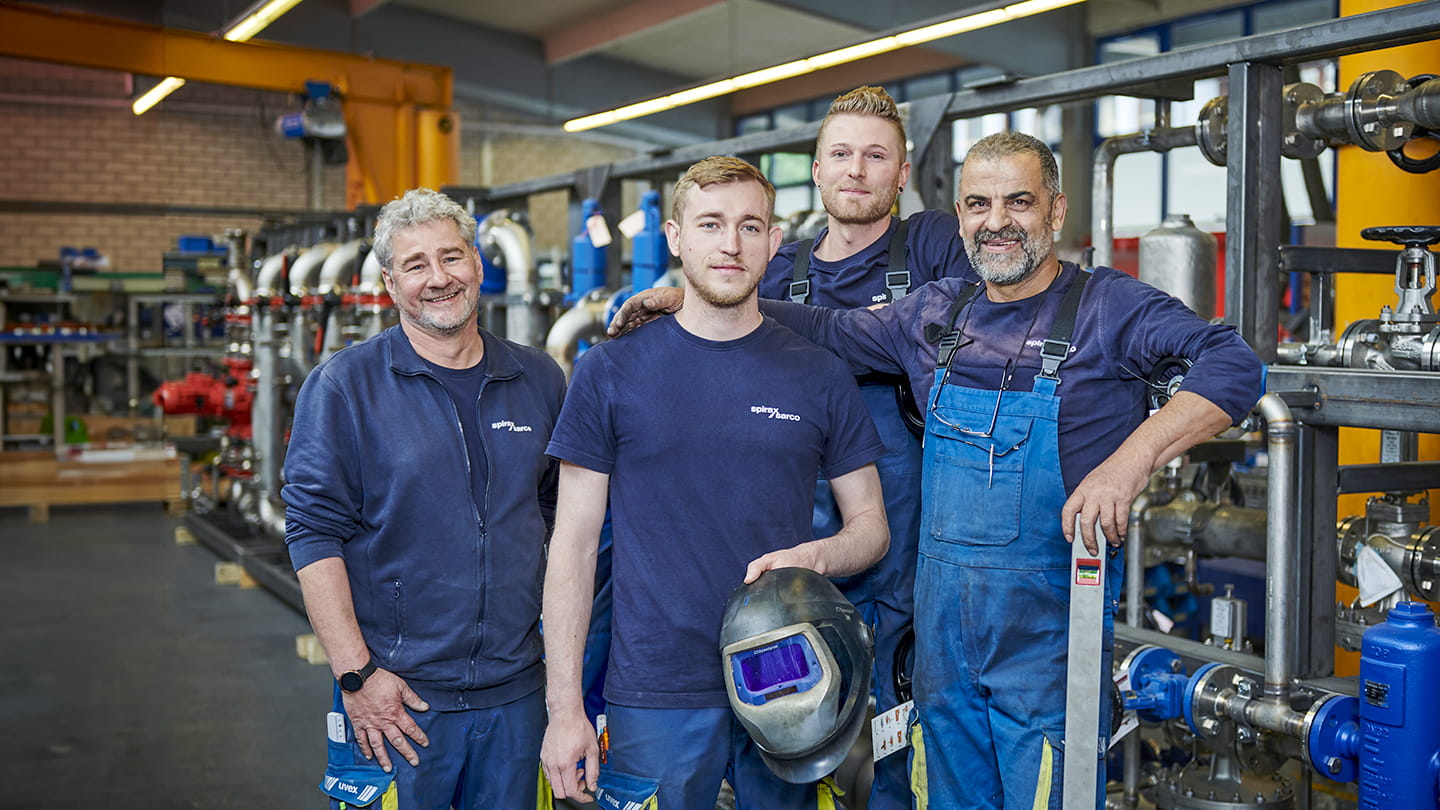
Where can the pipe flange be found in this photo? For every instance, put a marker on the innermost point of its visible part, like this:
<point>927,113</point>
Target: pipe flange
<point>1321,746</point>
<point>1295,143</point>
<point>1209,698</point>
<point>1430,350</point>
<point>1200,787</point>
<point>1423,563</point>
<point>1210,130</point>
<point>1366,108</point>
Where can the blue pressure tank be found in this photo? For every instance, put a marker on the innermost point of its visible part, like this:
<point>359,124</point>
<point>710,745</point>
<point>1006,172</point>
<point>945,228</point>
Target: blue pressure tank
<point>587,262</point>
<point>651,253</point>
<point>1400,711</point>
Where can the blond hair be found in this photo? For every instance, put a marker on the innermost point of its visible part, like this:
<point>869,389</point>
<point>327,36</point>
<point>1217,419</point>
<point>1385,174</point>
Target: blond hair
<point>719,169</point>
<point>868,100</point>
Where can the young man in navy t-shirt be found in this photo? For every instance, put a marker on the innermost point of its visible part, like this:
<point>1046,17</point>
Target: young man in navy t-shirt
<point>704,431</point>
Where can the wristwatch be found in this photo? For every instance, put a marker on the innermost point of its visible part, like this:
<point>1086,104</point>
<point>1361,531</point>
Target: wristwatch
<point>355,678</point>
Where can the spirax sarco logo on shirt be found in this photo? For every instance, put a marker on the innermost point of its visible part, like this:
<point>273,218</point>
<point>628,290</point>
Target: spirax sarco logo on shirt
<point>506,424</point>
<point>774,413</point>
<point>1038,343</point>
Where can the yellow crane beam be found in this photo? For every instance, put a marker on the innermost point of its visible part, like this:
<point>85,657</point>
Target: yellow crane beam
<point>390,106</point>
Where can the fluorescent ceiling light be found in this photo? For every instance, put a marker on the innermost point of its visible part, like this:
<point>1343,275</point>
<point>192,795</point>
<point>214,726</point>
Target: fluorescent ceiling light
<point>800,67</point>
<point>152,97</point>
<point>249,24</point>
<point>255,21</point>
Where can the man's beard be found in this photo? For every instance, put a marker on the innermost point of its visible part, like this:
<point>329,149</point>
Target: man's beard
<point>720,297</point>
<point>1005,271</point>
<point>429,323</point>
<point>854,212</point>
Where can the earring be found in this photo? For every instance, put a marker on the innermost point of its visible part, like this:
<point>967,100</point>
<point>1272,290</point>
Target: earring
<point>900,190</point>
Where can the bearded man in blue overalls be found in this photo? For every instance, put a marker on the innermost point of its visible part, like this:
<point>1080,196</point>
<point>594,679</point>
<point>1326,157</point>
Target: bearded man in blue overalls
<point>1036,415</point>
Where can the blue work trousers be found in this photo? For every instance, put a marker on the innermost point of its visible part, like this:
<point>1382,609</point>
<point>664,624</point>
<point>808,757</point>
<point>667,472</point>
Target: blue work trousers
<point>679,756</point>
<point>478,759</point>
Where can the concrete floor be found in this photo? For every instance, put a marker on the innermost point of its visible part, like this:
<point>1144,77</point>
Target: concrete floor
<point>129,679</point>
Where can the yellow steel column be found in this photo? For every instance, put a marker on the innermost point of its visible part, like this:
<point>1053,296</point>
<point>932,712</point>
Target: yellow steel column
<point>1371,191</point>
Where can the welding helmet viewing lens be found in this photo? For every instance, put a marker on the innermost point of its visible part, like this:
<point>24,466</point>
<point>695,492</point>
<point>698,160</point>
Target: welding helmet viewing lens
<point>797,660</point>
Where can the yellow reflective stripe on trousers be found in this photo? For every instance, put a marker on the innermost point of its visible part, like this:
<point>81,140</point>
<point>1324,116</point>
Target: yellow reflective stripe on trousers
<point>544,797</point>
<point>1046,777</point>
<point>825,793</point>
<point>919,788</point>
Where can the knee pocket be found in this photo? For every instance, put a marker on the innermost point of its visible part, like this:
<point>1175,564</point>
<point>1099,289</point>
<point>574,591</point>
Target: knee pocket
<point>623,791</point>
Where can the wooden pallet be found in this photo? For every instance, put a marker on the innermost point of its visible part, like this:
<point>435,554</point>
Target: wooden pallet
<point>37,480</point>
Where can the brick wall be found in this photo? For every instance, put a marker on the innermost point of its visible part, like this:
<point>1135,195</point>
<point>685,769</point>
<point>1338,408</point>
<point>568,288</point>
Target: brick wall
<point>69,137</point>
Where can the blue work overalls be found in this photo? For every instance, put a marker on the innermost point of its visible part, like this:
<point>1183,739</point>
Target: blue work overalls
<point>992,589</point>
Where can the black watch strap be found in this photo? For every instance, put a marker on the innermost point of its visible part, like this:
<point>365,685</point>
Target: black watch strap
<point>353,680</point>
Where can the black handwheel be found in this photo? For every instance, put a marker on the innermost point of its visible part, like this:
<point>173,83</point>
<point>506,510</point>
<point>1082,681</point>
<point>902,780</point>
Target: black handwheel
<point>1408,235</point>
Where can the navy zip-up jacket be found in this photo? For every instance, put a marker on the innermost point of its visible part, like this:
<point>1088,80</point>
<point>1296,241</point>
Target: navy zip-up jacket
<point>377,473</point>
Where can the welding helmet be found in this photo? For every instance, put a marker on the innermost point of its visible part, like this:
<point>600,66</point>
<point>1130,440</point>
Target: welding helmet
<point>797,660</point>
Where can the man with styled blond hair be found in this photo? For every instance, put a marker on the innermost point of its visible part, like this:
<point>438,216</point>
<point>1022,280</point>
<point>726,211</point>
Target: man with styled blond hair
<point>864,257</point>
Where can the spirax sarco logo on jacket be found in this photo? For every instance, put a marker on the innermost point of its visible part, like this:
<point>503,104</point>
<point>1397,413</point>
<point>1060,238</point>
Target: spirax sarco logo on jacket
<point>770,412</point>
<point>506,424</point>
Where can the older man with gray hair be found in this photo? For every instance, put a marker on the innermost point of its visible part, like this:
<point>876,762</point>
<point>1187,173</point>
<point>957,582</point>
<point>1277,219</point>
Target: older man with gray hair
<point>420,498</point>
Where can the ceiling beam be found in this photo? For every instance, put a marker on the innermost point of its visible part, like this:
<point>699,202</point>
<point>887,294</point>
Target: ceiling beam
<point>603,29</point>
<point>60,37</point>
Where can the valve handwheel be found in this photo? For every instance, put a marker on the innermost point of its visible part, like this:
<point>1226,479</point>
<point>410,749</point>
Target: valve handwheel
<point>1408,235</point>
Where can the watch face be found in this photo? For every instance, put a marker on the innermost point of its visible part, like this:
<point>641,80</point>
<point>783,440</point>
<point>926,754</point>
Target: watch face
<point>351,682</point>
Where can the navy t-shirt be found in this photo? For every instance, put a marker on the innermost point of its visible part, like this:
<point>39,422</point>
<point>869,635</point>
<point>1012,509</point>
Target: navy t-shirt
<point>463,385</point>
<point>933,250</point>
<point>711,448</point>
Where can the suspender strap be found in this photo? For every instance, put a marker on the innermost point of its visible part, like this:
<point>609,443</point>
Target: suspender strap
<point>948,337</point>
<point>897,275</point>
<point>800,273</point>
<point>1056,348</point>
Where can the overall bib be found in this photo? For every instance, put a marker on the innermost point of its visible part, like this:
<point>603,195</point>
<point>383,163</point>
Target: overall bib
<point>992,589</point>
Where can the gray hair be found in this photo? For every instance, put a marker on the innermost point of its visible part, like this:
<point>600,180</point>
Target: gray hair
<point>419,206</point>
<point>1009,142</point>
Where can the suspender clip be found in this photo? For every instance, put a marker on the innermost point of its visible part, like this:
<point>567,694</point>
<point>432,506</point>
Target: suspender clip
<point>898,283</point>
<point>948,344</point>
<point>800,291</point>
<point>1052,354</point>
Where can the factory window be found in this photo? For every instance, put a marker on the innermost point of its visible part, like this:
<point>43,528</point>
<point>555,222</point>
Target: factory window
<point>794,188</point>
<point>1147,186</point>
